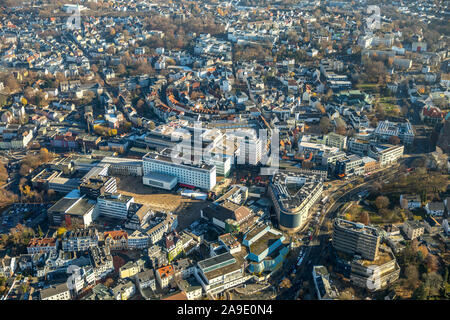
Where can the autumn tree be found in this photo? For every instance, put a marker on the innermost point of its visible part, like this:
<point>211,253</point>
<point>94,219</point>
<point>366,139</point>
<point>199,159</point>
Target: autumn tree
<point>121,69</point>
<point>12,84</point>
<point>364,218</point>
<point>394,140</point>
<point>340,129</point>
<point>432,263</point>
<point>109,282</point>
<point>381,202</point>
<point>324,124</point>
<point>3,174</point>
<point>412,276</point>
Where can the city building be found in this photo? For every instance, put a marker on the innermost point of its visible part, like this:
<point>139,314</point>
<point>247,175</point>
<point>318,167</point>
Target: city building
<point>56,292</point>
<point>228,215</point>
<point>73,209</point>
<point>138,240</point>
<point>336,140</point>
<point>413,229</point>
<point>266,249</point>
<point>356,239</point>
<point>375,274</point>
<point>124,290</point>
<point>349,165</point>
<point>293,194</point>
<point>386,129</point>
<point>79,239</point>
<point>435,208</point>
<point>116,240</point>
<point>146,279</point>
<point>94,187</point>
<point>101,261</point>
<point>123,166</point>
<point>324,288</point>
<point>220,272</point>
<point>130,269</point>
<point>40,245</point>
<point>385,154</point>
<point>164,275</point>
<point>114,205</point>
<point>410,201</point>
<point>191,287</point>
<point>159,180</point>
<point>187,173</point>
<point>158,225</point>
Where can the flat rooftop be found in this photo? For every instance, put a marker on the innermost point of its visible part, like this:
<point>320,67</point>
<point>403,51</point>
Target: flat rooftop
<point>117,197</point>
<point>165,156</point>
<point>217,260</point>
<point>264,242</point>
<point>357,227</point>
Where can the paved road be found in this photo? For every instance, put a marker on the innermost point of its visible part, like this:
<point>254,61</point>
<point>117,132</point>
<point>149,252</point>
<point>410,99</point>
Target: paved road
<point>315,251</point>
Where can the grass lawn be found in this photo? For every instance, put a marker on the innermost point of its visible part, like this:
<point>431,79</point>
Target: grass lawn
<point>369,87</point>
<point>389,105</point>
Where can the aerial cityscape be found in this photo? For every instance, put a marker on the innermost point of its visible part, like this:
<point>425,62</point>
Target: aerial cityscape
<point>224,150</point>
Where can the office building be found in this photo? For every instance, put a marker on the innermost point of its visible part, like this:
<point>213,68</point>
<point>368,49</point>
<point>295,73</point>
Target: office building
<point>187,173</point>
<point>336,140</point>
<point>324,288</point>
<point>220,272</point>
<point>94,187</point>
<point>114,205</point>
<point>74,208</point>
<point>413,229</point>
<point>377,274</point>
<point>385,154</point>
<point>160,180</point>
<point>356,239</point>
<point>123,166</point>
<point>266,249</point>
<point>349,166</point>
<point>387,129</point>
<point>293,194</point>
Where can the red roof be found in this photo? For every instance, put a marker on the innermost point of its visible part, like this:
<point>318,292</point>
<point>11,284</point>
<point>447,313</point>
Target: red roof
<point>431,112</point>
<point>116,234</point>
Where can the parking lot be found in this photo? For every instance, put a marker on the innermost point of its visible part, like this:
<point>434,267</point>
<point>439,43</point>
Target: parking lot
<point>29,214</point>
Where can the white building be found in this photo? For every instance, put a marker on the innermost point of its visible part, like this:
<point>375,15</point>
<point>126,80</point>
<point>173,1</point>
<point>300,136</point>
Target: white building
<point>123,166</point>
<point>159,180</point>
<point>410,201</point>
<point>386,154</point>
<point>220,272</point>
<point>198,175</point>
<point>435,208</point>
<point>58,292</point>
<point>114,205</point>
<point>413,229</point>
<point>138,240</point>
<point>387,129</point>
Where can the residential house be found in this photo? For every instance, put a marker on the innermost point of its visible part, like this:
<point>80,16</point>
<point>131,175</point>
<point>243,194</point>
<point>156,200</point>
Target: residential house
<point>435,208</point>
<point>413,229</point>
